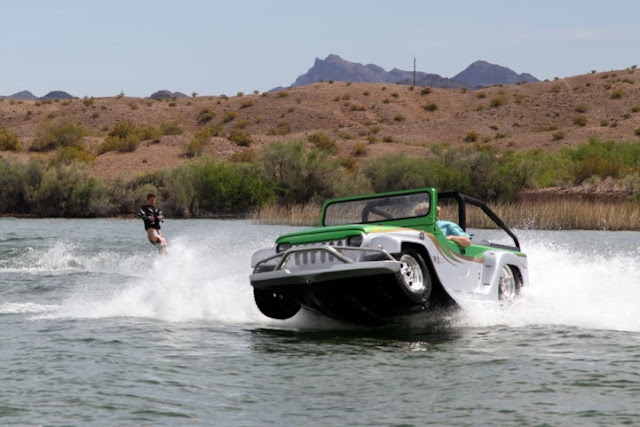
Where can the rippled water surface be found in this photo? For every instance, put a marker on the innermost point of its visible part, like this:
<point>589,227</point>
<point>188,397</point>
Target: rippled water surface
<point>96,328</point>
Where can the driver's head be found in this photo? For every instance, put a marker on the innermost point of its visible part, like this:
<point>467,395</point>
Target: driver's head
<point>151,199</point>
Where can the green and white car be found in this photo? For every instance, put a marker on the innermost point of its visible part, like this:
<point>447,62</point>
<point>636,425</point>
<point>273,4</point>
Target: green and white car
<point>378,259</point>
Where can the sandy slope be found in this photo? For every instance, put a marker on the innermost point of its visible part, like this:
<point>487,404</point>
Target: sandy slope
<point>531,113</point>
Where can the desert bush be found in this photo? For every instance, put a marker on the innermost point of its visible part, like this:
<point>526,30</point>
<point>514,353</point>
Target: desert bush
<point>244,156</point>
<point>124,137</point>
<point>68,190</point>
<point>471,137</point>
<point>150,133</point>
<point>345,135</point>
<point>498,101</point>
<point>481,95</point>
<point>617,94</point>
<point>241,124</point>
<point>395,95</point>
<point>228,116</point>
<point>171,128</point>
<point>9,141</point>
<point>282,128</point>
<point>205,116</point>
<point>580,121</point>
<point>636,132</point>
<point>581,108</point>
<point>65,134</point>
<point>18,181</point>
<point>357,107</point>
<point>360,149</point>
<point>88,102</point>
<point>366,93</point>
<point>604,122</point>
<point>555,89</point>
<point>323,142</point>
<point>557,136</point>
<point>430,107</point>
<point>299,174</point>
<point>66,155</point>
<point>425,91</point>
<point>388,138</point>
<point>246,104</point>
<point>195,147</point>
<point>241,138</point>
<point>282,94</point>
<point>399,118</point>
<point>240,94</point>
<point>635,109</point>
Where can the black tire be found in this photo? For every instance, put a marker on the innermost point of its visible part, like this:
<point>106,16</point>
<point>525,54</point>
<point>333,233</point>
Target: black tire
<point>275,305</point>
<point>508,284</point>
<point>414,279</point>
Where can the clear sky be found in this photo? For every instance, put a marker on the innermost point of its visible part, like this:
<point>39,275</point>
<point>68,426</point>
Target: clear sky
<point>212,47</point>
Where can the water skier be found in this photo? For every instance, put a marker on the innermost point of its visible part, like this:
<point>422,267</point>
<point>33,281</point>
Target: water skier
<point>152,217</point>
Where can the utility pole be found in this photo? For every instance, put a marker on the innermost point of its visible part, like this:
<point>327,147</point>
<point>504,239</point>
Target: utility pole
<point>414,70</point>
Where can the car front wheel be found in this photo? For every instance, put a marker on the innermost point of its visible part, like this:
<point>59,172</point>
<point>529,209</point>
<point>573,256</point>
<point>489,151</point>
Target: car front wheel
<point>414,279</point>
<point>275,305</point>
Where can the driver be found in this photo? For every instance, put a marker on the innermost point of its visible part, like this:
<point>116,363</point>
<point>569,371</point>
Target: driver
<point>453,232</point>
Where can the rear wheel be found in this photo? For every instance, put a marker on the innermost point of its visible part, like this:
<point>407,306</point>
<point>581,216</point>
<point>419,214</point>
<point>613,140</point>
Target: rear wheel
<point>508,284</point>
<point>275,305</point>
<point>414,279</point>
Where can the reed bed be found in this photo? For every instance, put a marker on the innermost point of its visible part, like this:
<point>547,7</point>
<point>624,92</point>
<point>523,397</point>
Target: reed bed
<point>298,214</point>
<point>554,214</point>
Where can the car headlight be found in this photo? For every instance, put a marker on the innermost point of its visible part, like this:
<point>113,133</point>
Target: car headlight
<point>355,240</point>
<point>282,247</point>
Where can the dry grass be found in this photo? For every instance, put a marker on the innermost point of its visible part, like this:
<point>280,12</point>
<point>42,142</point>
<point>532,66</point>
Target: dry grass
<point>299,215</point>
<point>539,215</point>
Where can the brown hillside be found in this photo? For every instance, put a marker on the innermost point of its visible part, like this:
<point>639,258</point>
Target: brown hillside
<point>517,117</point>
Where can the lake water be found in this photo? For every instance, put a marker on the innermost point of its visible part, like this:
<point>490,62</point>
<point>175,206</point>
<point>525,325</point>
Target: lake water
<point>96,328</point>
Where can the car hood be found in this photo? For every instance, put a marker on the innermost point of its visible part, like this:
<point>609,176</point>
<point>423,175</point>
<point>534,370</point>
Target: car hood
<point>324,234</point>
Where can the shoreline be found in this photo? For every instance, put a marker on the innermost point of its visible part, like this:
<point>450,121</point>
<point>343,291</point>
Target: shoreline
<point>551,214</point>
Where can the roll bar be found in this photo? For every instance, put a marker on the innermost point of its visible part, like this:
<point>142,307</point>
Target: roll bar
<point>462,212</point>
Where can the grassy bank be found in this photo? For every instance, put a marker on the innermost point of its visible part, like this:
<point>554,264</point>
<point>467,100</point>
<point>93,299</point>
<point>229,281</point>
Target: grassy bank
<point>552,214</point>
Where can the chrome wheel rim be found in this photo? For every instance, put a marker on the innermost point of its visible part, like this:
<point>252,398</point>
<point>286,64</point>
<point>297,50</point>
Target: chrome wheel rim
<point>411,274</point>
<point>507,287</point>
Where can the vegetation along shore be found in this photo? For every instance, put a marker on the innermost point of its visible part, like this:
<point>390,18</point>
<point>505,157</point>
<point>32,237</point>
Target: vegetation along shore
<point>561,154</point>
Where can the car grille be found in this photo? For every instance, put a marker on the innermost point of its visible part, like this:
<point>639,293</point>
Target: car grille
<point>314,259</point>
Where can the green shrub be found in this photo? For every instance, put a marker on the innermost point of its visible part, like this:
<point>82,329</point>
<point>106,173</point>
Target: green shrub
<point>323,142</point>
<point>205,116</point>
<point>65,134</point>
<point>150,133</point>
<point>242,124</point>
<point>345,135</point>
<point>399,118</point>
<point>636,132</point>
<point>66,155</point>
<point>430,107</point>
<point>244,156</point>
<point>197,144</point>
<point>118,144</point>
<point>617,94</point>
<point>9,141</point>
<point>283,94</point>
<point>171,128</point>
<point>555,89</point>
<point>580,121</point>
<point>228,116</point>
<point>481,95</point>
<point>387,138</point>
<point>425,91</point>
<point>241,138</point>
<point>360,149</point>
<point>471,137</point>
<point>246,104</point>
<point>604,122</point>
<point>498,101</point>
<point>88,102</point>
<point>282,128</point>
<point>557,136</point>
<point>581,108</point>
<point>357,107</point>
<point>18,181</point>
<point>635,109</point>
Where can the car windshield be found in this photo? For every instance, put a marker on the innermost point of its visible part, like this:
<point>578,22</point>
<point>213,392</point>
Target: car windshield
<point>377,209</point>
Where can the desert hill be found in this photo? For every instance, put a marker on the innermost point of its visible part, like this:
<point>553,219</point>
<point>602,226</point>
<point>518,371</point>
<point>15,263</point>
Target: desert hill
<point>482,74</point>
<point>333,67</point>
<point>366,119</point>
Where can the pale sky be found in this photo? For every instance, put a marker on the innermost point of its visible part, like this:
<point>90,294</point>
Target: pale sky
<point>212,47</point>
